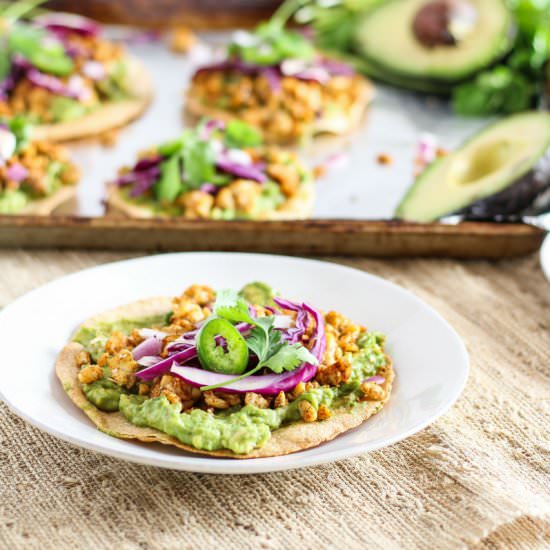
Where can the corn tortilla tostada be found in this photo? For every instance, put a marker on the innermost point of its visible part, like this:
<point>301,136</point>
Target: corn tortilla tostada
<point>36,177</point>
<point>237,375</point>
<point>65,78</point>
<point>274,79</point>
<point>214,171</point>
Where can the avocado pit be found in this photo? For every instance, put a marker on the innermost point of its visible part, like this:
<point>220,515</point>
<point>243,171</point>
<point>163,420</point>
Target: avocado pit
<point>444,22</point>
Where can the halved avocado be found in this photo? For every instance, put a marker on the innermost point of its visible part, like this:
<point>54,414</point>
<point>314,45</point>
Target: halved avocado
<point>498,171</point>
<point>386,38</point>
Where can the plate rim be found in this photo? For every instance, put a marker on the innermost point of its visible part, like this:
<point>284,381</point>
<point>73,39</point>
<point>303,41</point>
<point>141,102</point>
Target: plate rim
<point>544,256</point>
<point>213,465</point>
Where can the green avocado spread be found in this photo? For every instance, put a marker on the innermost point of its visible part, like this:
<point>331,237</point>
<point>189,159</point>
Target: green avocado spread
<point>104,394</point>
<point>94,336</point>
<point>12,201</point>
<point>237,429</point>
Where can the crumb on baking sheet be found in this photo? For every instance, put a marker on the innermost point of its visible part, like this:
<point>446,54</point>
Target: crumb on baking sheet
<point>109,138</point>
<point>182,39</point>
<point>384,159</point>
<point>319,171</point>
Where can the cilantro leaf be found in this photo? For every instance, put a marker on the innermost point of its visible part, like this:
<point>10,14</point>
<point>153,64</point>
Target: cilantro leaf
<point>240,134</point>
<point>199,161</point>
<point>258,343</point>
<point>232,307</point>
<point>288,357</point>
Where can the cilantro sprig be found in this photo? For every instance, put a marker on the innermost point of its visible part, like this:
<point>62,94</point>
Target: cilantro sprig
<point>271,43</point>
<point>264,340</point>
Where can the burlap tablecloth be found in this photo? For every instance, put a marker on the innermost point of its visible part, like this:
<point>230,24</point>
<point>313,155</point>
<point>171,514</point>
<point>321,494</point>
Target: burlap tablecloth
<point>478,477</point>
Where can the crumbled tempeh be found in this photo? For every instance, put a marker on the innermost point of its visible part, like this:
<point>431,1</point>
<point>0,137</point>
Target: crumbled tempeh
<point>299,389</point>
<point>182,40</point>
<point>280,400</point>
<point>123,368</point>
<point>256,399</point>
<point>287,176</point>
<point>335,374</point>
<point>307,411</point>
<point>219,400</point>
<point>201,294</point>
<point>175,386</point>
<point>372,392</point>
<point>90,374</point>
<point>323,412</point>
<point>116,342</point>
<point>143,389</point>
<point>240,195</point>
<point>135,338</point>
<point>172,397</point>
<point>197,205</point>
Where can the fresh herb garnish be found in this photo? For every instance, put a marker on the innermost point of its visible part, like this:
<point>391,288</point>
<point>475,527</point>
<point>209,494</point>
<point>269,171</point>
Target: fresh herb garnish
<point>34,44</point>
<point>264,341</point>
<point>239,134</point>
<point>20,127</point>
<point>515,84</point>
<point>271,43</point>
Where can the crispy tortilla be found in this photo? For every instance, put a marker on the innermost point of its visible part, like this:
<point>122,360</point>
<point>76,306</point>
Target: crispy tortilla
<point>108,116</point>
<point>196,110</point>
<point>45,206</point>
<point>288,439</point>
<point>298,207</point>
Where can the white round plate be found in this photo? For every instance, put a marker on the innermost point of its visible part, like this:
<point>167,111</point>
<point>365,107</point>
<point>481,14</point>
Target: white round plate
<point>545,257</point>
<point>431,362</point>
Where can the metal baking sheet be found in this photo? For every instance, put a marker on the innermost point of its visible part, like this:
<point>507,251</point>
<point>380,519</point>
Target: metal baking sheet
<point>355,187</point>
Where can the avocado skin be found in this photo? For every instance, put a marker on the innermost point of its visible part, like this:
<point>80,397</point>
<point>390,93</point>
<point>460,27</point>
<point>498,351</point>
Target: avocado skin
<point>516,198</point>
<point>380,74</point>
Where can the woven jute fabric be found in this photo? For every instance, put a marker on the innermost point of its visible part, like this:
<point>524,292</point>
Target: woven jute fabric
<point>476,478</point>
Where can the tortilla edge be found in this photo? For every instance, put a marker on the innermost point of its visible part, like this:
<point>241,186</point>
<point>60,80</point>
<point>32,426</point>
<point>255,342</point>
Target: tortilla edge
<point>299,207</point>
<point>46,205</point>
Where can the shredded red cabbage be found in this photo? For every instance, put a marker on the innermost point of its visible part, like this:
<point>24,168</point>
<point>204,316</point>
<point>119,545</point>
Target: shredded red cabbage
<point>377,379</point>
<point>162,367</point>
<point>249,172</point>
<point>149,360</point>
<point>143,175</point>
<point>267,384</point>
<point>16,172</point>
<point>209,188</point>
<point>320,70</point>
<point>94,70</point>
<point>319,335</point>
<point>62,23</point>
<point>295,333</point>
<point>54,84</point>
<point>210,126</point>
<point>150,346</point>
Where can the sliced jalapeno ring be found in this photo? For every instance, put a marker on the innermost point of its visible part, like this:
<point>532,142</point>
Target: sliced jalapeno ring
<point>221,347</point>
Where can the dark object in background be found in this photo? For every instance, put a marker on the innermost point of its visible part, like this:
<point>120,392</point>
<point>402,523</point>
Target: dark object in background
<point>164,13</point>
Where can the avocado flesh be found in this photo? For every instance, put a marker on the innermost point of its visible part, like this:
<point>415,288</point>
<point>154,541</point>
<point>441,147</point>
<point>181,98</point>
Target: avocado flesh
<point>498,171</point>
<point>384,37</point>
